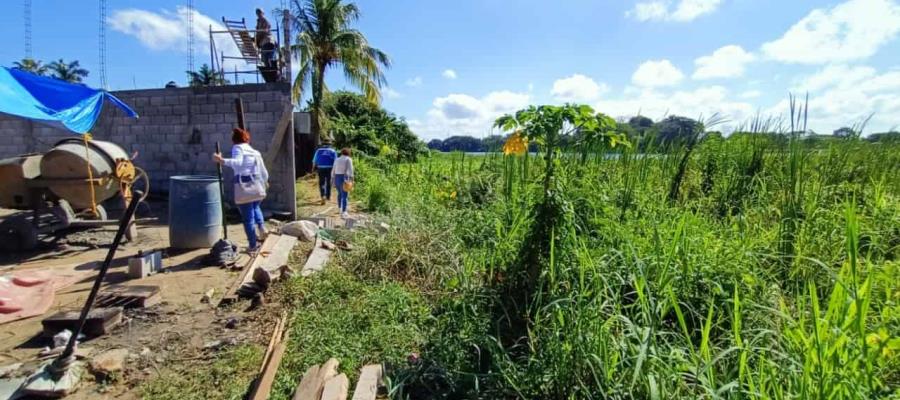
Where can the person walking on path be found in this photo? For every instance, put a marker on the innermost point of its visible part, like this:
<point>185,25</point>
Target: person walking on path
<point>343,175</point>
<point>250,182</point>
<point>323,160</point>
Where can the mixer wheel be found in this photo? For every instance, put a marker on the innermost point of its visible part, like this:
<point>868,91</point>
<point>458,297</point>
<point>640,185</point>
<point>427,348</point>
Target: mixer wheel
<point>18,234</point>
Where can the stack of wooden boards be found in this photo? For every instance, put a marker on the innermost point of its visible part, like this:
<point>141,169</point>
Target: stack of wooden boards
<point>269,263</point>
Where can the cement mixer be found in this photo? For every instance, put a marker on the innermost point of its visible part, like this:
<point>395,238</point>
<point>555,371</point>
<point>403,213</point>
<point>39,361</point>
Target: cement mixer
<point>64,188</point>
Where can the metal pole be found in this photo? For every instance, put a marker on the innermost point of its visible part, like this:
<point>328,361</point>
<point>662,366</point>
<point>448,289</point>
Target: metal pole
<point>221,193</point>
<point>67,355</point>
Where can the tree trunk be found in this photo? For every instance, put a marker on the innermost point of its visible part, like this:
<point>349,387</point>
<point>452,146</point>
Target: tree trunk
<point>316,108</point>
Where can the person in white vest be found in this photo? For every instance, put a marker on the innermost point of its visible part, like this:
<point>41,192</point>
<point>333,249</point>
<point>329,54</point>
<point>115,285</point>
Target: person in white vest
<point>342,174</point>
<point>251,179</point>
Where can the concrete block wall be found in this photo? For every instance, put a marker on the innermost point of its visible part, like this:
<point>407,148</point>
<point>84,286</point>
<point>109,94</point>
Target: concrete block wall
<point>177,132</point>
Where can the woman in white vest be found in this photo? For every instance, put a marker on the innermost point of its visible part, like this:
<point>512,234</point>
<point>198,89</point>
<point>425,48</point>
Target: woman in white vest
<point>250,182</point>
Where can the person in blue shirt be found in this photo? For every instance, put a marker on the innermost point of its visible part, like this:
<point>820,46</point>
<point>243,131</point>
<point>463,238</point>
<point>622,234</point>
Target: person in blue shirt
<point>323,161</point>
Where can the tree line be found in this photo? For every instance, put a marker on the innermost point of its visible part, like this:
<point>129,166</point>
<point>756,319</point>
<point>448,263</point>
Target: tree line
<point>645,133</point>
<point>60,69</point>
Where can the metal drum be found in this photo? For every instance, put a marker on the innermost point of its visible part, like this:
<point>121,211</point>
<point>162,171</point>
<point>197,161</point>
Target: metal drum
<point>195,211</point>
<point>64,170</point>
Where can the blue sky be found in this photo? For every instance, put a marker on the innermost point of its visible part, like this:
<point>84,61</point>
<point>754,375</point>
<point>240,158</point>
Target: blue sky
<point>459,64</point>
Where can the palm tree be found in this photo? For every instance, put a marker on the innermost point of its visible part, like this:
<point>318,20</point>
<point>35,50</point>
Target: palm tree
<point>325,39</point>
<point>205,76</point>
<point>69,72</point>
<point>31,65</point>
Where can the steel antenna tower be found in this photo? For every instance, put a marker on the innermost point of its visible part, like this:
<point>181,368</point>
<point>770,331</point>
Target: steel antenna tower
<point>190,35</point>
<point>102,45</point>
<point>27,28</point>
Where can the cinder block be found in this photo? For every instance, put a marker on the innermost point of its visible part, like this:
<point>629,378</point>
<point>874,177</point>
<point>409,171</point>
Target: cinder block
<point>157,101</point>
<point>208,109</point>
<point>216,118</point>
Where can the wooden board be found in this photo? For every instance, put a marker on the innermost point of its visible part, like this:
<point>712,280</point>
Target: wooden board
<point>317,259</point>
<point>231,294</point>
<point>280,131</point>
<point>272,362</point>
<point>310,387</point>
<point>370,378</point>
<point>280,253</point>
<point>99,321</point>
<point>137,296</point>
<point>336,388</point>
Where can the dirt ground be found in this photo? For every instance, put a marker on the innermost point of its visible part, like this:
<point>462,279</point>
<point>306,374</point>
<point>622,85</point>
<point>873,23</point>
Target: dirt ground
<point>181,325</point>
<point>181,329</point>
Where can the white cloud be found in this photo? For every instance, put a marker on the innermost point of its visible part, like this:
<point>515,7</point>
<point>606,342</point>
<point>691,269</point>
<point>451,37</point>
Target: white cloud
<point>167,31</point>
<point>657,73</point>
<point>843,96</point>
<point>577,88</point>
<point>449,74</point>
<point>463,114</point>
<point>663,10</point>
<point>417,81</point>
<point>726,62</point>
<point>853,30</point>
<point>391,93</point>
<point>751,94</point>
<point>657,104</point>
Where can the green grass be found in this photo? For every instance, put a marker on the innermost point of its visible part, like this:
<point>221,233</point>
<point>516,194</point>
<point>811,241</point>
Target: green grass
<point>338,315</point>
<point>228,376</point>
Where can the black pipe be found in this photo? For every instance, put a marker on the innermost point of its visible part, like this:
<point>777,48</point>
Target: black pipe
<point>221,193</point>
<point>66,357</point>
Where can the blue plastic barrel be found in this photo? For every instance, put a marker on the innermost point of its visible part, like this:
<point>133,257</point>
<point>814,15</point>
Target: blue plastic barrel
<point>195,211</point>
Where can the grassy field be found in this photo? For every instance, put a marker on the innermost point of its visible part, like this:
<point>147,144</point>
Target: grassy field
<point>751,267</point>
<point>748,267</point>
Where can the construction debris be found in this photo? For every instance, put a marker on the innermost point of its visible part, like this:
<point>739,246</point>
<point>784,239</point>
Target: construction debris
<point>143,265</point>
<point>207,297</point>
<point>303,230</point>
<point>99,321</point>
<point>129,296</point>
<point>272,360</point>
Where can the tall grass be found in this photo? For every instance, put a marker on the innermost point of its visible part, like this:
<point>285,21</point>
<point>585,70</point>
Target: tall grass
<point>773,276</point>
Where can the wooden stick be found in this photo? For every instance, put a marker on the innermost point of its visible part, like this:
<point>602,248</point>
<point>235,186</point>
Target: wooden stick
<point>270,367</point>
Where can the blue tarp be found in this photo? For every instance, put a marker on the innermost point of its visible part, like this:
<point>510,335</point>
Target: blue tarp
<point>76,107</point>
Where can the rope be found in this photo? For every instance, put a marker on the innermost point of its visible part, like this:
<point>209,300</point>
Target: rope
<point>87,155</point>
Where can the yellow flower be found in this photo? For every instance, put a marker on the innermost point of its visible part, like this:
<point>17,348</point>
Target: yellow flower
<point>516,144</point>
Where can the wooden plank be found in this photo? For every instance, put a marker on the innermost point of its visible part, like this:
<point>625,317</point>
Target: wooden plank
<point>310,388</point>
<point>99,321</point>
<point>262,390</point>
<point>370,378</point>
<point>231,294</point>
<point>317,259</point>
<point>336,388</point>
<point>280,253</point>
<point>136,296</point>
<point>276,337</point>
<point>280,131</point>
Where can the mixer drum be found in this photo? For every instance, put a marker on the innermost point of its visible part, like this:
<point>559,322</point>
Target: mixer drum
<point>63,169</point>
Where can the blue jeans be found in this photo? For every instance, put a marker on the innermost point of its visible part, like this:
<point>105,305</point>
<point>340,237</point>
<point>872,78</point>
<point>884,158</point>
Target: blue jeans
<point>324,182</point>
<point>252,217</point>
<point>343,196</point>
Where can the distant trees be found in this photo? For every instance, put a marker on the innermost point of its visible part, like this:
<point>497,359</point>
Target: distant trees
<point>66,71</point>
<point>205,76</point>
<point>31,65</point>
<point>70,72</point>
<point>355,122</point>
